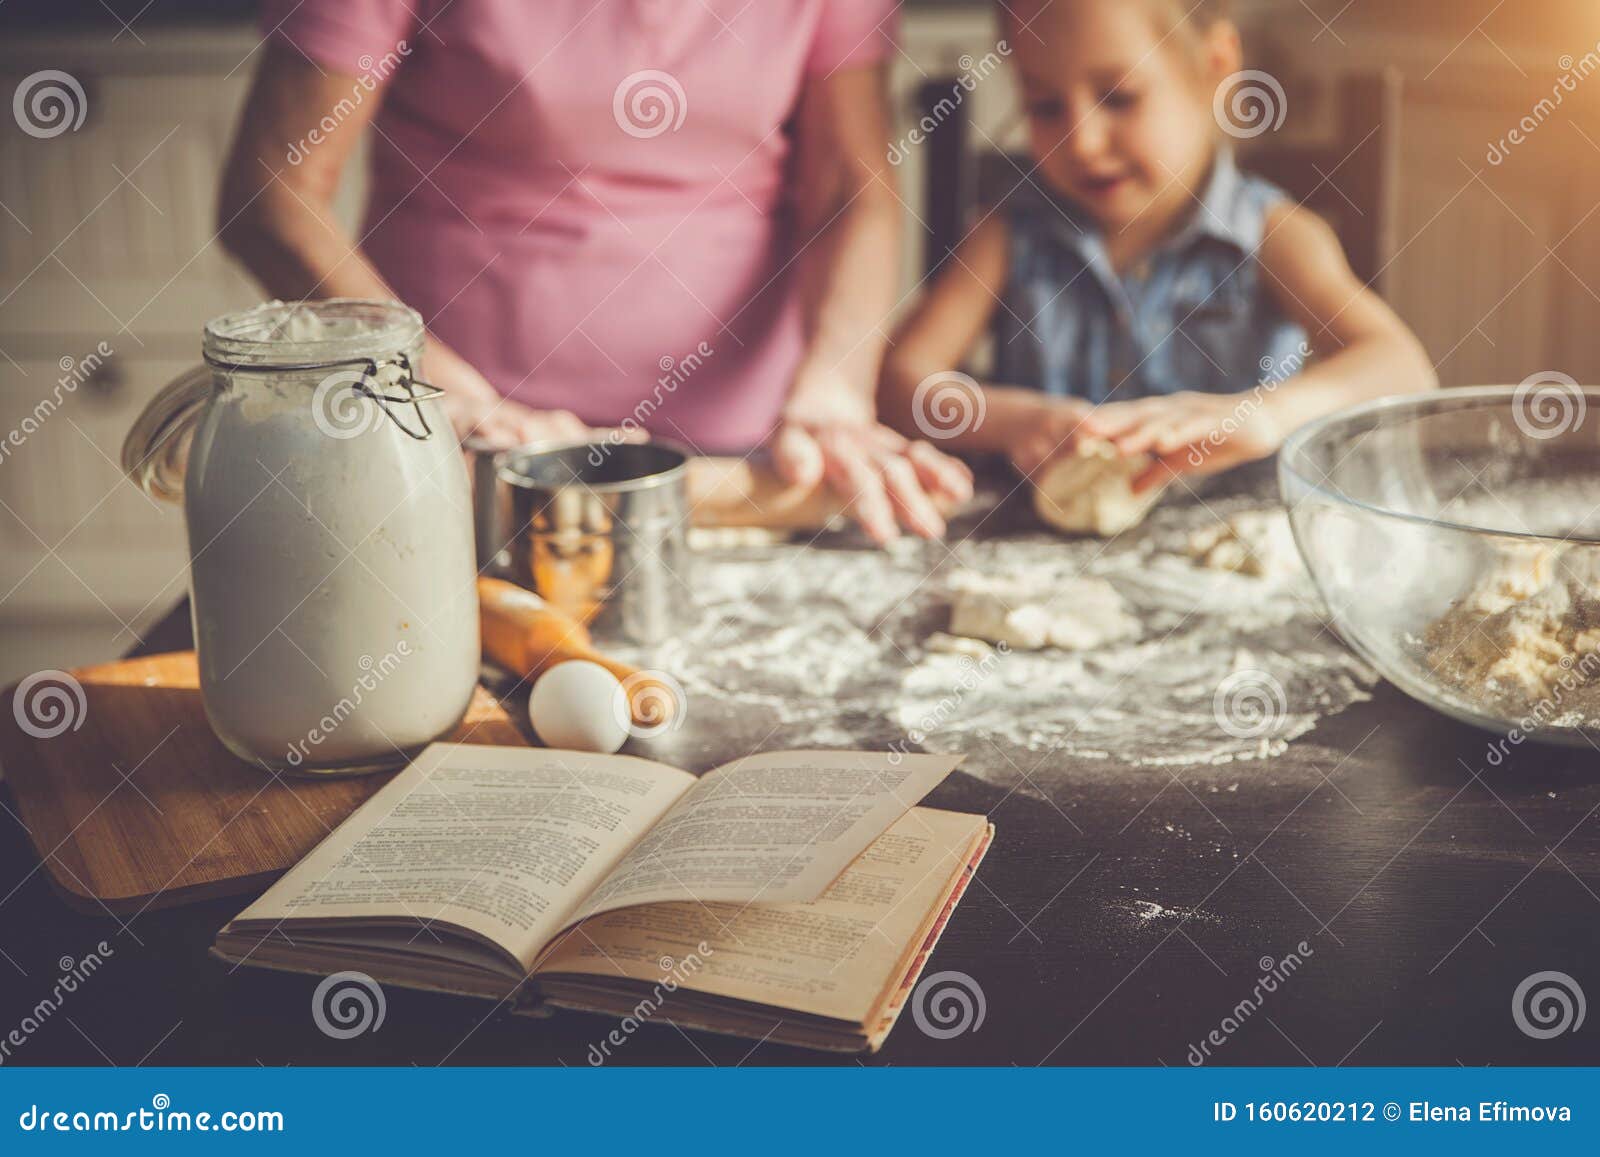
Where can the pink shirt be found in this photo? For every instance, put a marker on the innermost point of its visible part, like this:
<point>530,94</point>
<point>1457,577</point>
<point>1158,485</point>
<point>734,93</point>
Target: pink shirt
<point>577,230</point>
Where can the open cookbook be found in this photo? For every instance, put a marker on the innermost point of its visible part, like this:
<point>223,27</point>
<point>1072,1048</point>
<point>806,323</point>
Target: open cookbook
<point>791,896</point>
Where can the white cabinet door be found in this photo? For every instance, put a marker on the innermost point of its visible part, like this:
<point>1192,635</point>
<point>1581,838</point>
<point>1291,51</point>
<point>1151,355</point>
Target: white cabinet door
<point>75,534</point>
<point>108,235</point>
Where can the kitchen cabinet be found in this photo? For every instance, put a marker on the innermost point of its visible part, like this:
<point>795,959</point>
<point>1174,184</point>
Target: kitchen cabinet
<point>108,260</point>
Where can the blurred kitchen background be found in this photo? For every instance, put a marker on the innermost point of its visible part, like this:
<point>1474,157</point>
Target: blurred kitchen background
<point>106,234</point>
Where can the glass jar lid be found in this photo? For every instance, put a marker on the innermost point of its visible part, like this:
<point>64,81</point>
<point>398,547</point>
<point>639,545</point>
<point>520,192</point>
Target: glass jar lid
<point>364,345</point>
<point>311,334</point>
<point>368,346</point>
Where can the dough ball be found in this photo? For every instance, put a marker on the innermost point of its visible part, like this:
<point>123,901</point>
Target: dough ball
<point>1255,542</point>
<point>1090,491</point>
<point>1075,614</point>
<point>573,706</point>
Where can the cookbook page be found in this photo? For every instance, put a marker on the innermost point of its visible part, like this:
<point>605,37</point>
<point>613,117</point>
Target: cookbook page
<point>835,956</point>
<point>504,841</point>
<point>774,828</point>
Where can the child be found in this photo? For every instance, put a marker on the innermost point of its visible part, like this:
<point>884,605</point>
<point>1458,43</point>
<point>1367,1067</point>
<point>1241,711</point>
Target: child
<point>1142,281</point>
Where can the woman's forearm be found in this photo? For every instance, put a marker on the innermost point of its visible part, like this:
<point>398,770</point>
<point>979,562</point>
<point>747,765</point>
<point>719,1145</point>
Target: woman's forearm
<point>295,248</point>
<point>277,217</point>
<point>847,220</point>
<point>848,275</point>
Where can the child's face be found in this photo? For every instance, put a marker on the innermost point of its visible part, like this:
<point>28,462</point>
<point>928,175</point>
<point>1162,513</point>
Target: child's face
<point>1120,117</point>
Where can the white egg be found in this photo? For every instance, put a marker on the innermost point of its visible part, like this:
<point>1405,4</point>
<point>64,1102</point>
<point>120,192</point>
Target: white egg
<point>574,705</point>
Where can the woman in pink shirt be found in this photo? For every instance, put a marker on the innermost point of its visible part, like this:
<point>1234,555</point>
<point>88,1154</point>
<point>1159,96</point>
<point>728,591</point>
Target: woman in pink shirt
<point>670,211</point>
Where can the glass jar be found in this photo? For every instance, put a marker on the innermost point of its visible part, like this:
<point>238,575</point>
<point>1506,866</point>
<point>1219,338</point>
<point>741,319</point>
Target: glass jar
<point>331,568</point>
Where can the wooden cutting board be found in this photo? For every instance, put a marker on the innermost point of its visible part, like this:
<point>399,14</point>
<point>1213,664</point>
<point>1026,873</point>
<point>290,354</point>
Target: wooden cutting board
<point>140,806</point>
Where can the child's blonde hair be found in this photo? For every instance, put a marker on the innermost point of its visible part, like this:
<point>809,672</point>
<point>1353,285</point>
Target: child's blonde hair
<point>1200,13</point>
<point>1186,23</point>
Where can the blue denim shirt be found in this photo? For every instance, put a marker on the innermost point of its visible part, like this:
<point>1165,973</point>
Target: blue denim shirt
<point>1192,315</point>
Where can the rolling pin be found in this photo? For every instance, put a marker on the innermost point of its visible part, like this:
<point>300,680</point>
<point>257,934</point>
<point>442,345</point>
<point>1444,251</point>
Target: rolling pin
<point>527,636</point>
<point>735,492</point>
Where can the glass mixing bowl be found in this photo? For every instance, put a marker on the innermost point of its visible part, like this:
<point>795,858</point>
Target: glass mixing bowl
<point>1455,537</point>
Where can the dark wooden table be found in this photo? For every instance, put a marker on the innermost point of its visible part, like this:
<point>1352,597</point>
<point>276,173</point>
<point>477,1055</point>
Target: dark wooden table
<point>1425,884</point>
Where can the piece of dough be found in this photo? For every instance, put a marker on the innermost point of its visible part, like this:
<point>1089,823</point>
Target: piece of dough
<point>1254,542</point>
<point>1090,490</point>
<point>940,643</point>
<point>1075,614</point>
<point>1523,570</point>
<point>1540,648</point>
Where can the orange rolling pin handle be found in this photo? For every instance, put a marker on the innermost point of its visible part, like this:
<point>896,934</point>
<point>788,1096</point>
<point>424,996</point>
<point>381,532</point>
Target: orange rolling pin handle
<point>527,636</point>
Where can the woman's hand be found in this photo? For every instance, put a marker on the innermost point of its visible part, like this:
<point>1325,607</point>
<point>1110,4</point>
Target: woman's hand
<point>499,423</point>
<point>847,227</point>
<point>477,410</point>
<point>1189,433</point>
<point>887,481</point>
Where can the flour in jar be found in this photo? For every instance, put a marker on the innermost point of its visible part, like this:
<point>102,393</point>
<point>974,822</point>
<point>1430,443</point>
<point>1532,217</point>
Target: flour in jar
<point>332,575</point>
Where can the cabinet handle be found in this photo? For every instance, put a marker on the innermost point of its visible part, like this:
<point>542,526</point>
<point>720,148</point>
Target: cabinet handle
<point>107,381</point>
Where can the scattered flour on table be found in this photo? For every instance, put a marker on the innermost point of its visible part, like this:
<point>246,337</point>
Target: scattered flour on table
<point>832,648</point>
<point>1148,911</point>
<point>1148,700</point>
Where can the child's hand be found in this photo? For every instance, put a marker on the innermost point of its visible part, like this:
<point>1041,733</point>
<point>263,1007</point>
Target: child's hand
<point>1188,433</point>
<point>1047,429</point>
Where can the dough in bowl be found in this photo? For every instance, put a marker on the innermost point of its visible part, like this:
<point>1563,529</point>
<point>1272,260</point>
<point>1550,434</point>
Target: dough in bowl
<point>1090,491</point>
<point>1529,631</point>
